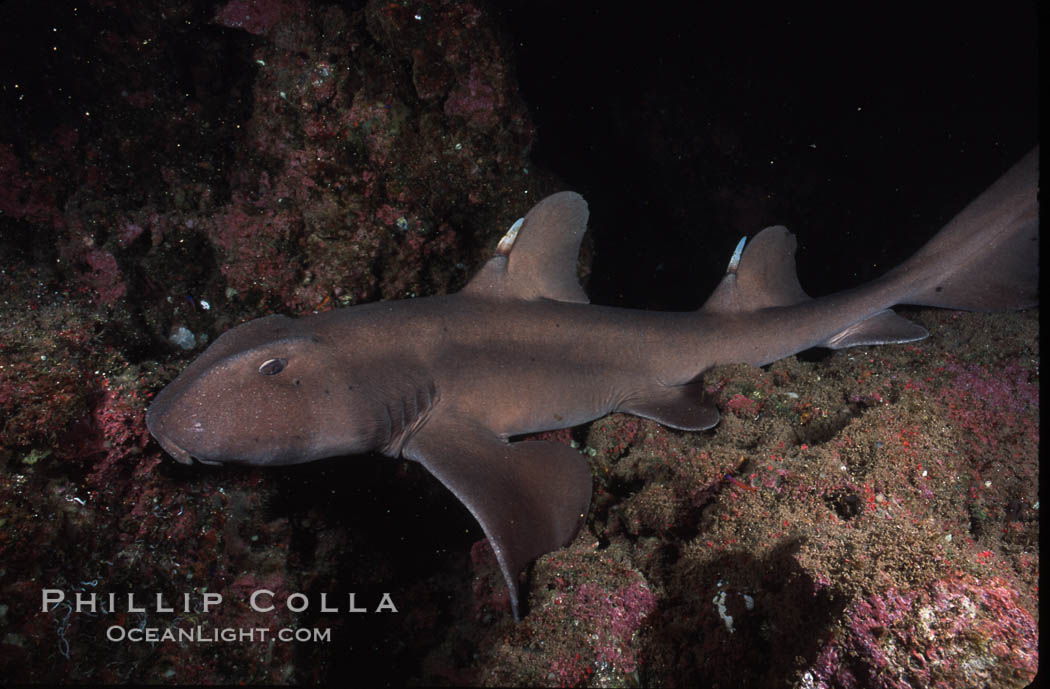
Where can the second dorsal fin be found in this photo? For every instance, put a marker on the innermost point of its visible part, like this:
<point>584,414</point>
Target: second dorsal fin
<point>762,277</point>
<point>536,259</point>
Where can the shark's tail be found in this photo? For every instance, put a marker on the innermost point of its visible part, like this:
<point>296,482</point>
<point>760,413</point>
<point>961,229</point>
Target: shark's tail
<point>985,259</point>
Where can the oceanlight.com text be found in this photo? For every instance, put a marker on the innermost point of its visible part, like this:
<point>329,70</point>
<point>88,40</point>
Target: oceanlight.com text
<point>199,634</point>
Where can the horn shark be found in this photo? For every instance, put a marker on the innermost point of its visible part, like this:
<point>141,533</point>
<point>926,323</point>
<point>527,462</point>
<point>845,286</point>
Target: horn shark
<point>448,380</point>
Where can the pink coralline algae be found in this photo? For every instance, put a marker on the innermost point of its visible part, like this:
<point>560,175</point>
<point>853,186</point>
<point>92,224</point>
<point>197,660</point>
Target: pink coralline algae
<point>978,396</point>
<point>611,620</point>
<point>959,629</point>
<point>743,406</point>
<point>590,612</point>
<point>127,233</point>
<point>474,100</point>
<point>617,616</point>
<point>121,422</point>
<point>38,402</point>
<point>256,246</point>
<point>995,410</point>
<point>104,276</point>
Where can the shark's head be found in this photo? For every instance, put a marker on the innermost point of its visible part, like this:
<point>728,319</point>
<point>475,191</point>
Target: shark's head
<point>265,392</point>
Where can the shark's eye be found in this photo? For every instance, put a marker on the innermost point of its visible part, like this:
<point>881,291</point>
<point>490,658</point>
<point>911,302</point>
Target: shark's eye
<point>271,367</point>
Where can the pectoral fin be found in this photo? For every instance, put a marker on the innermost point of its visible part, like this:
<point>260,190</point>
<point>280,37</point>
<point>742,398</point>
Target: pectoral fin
<point>529,497</point>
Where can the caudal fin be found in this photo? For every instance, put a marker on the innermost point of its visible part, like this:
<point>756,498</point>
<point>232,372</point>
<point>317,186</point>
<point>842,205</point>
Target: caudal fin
<point>987,257</point>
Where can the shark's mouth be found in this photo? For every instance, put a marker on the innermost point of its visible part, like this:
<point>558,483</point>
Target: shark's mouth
<point>182,456</point>
<point>178,454</point>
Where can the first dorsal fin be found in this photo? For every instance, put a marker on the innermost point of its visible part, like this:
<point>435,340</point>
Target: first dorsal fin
<point>536,259</point>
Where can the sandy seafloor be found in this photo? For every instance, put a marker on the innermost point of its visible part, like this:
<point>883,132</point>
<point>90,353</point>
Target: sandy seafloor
<point>860,518</point>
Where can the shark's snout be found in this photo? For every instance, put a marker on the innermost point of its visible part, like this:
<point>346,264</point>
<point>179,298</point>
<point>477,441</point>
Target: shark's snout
<point>156,421</point>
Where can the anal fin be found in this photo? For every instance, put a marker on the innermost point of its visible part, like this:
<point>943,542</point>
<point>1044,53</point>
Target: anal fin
<point>529,497</point>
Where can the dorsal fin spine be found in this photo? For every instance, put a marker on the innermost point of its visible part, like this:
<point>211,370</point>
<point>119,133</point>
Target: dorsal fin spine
<point>506,242</point>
